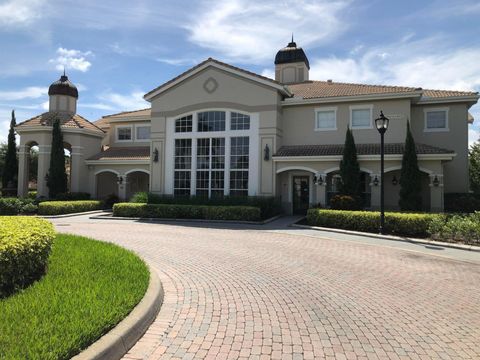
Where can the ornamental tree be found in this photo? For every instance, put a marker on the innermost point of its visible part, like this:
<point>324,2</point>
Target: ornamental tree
<point>9,174</point>
<point>57,176</point>
<point>350,169</point>
<point>410,177</point>
<point>474,167</point>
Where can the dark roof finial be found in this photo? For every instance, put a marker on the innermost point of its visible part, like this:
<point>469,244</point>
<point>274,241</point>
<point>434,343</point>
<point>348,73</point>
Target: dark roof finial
<point>292,37</point>
<point>64,70</point>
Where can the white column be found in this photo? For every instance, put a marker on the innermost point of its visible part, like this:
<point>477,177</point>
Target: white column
<point>375,190</point>
<point>321,189</point>
<point>43,167</point>
<point>23,156</point>
<point>436,192</point>
<point>76,157</point>
<point>122,187</point>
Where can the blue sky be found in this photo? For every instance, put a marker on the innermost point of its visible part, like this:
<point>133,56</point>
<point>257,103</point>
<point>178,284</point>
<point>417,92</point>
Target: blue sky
<point>115,51</point>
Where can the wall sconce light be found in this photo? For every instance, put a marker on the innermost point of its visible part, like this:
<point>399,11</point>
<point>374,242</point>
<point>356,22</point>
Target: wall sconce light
<point>318,180</point>
<point>266,153</point>
<point>155,155</point>
<point>435,181</point>
<point>120,180</point>
<point>376,181</point>
<point>394,180</point>
<point>315,179</point>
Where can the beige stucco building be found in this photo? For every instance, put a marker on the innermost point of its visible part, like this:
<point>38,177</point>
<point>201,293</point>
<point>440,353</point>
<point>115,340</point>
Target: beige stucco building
<point>220,130</point>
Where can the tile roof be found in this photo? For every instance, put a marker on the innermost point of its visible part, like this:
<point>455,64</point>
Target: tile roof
<point>104,122</point>
<point>123,153</point>
<point>362,149</point>
<point>326,89</point>
<point>68,120</point>
<point>219,63</point>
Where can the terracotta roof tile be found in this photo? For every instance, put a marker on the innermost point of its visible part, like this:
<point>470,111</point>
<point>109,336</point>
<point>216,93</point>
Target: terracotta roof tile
<point>362,149</point>
<point>68,120</point>
<point>428,93</point>
<point>123,153</point>
<point>104,122</point>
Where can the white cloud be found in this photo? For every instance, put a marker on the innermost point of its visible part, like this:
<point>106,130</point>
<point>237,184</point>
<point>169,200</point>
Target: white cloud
<point>123,102</point>
<point>178,62</point>
<point>98,106</point>
<point>20,12</point>
<point>72,59</point>
<point>31,92</point>
<point>250,31</point>
<point>473,135</point>
<point>269,73</point>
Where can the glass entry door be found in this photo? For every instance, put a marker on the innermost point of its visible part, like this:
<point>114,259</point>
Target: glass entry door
<point>300,194</point>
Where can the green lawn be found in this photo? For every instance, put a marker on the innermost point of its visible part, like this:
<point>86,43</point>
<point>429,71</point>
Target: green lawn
<point>89,287</point>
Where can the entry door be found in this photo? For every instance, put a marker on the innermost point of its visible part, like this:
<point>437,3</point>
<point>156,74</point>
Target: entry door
<point>300,194</point>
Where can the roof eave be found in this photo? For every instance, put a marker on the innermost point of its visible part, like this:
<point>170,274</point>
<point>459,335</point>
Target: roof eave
<point>47,128</point>
<point>195,70</point>
<point>375,157</point>
<point>301,101</point>
<point>473,99</point>
<point>118,162</point>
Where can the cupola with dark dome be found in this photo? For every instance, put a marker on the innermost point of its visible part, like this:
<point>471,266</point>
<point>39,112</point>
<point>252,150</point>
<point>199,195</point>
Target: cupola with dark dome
<point>291,64</point>
<point>63,95</point>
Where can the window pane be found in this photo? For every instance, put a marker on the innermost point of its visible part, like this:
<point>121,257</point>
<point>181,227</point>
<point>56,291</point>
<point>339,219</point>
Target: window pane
<point>203,153</point>
<point>124,133</point>
<point>239,121</point>
<point>143,132</point>
<point>183,164</point>
<point>326,120</point>
<point>184,124</point>
<point>182,183</point>
<point>239,152</point>
<point>211,121</point>
<point>436,119</point>
<point>361,118</point>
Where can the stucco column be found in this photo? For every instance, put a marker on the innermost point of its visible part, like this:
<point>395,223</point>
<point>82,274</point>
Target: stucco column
<point>76,164</point>
<point>43,166</point>
<point>122,187</point>
<point>375,191</point>
<point>436,192</point>
<point>321,189</point>
<point>23,155</point>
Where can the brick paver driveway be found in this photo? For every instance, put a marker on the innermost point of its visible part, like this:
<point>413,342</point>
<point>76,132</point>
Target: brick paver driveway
<point>240,293</point>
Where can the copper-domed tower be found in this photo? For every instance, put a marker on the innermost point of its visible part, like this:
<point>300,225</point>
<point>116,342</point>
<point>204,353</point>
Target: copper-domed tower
<point>63,95</point>
<point>291,64</point>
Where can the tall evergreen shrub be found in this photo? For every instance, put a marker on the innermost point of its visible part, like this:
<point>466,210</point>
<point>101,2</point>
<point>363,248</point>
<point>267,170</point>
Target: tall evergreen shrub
<point>57,176</point>
<point>410,177</point>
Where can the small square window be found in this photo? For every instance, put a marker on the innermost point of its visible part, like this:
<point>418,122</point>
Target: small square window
<point>124,133</point>
<point>361,118</point>
<point>326,120</point>
<point>143,132</point>
<point>436,120</point>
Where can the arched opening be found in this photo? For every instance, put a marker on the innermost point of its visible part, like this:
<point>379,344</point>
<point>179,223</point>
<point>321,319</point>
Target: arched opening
<point>31,151</point>
<point>392,190</point>
<point>137,181</point>
<point>333,187</point>
<point>107,184</point>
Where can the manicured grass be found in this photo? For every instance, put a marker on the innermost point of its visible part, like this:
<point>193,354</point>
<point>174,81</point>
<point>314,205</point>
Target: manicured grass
<point>89,287</point>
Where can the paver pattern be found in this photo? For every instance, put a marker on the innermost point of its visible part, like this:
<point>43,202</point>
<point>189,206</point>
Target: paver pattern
<point>238,294</point>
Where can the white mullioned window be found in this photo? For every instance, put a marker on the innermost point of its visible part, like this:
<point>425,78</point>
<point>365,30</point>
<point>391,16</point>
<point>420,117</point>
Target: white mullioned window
<point>212,153</point>
<point>326,119</point>
<point>124,133</point>
<point>436,119</point>
<point>361,117</point>
<point>142,132</point>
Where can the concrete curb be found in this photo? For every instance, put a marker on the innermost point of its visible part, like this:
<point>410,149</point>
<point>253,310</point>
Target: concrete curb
<point>392,237</point>
<point>117,342</point>
<point>72,214</point>
<point>108,217</point>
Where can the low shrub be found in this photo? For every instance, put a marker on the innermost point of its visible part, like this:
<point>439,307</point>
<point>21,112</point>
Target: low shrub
<point>15,206</point>
<point>25,244</point>
<point>68,207</point>
<point>73,196</point>
<point>462,202</point>
<point>269,206</point>
<point>173,211</point>
<point>457,228</point>
<point>32,194</point>
<point>344,202</point>
<point>401,224</point>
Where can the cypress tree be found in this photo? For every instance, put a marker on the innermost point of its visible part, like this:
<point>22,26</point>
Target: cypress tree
<point>10,170</point>
<point>474,168</point>
<point>410,177</point>
<point>57,176</point>
<point>350,169</point>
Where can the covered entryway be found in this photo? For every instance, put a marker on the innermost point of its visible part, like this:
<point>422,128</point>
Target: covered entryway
<point>300,194</point>
<point>137,181</point>
<point>107,183</point>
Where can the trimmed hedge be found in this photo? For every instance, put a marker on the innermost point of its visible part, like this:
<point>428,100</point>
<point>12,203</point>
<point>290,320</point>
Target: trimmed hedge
<point>462,202</point>
<point>25,244</point>
<point>172,211</point>
<point>68,207</point>
<point>269,206</point>
<point>457,228</point>
<point>401,224</point>
<point>14,206</point>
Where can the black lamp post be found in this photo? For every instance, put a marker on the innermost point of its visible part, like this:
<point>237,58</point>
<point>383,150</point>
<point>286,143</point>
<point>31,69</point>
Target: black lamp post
<point>382,124</point>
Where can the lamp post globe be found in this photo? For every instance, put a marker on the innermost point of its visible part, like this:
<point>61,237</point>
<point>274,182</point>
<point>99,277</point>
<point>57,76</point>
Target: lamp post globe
<point>381,123</point>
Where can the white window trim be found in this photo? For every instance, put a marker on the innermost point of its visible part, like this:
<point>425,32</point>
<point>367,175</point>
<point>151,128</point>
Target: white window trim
<point>361,107</point>
<point>427,129</point>
<point>142,125</point>
<point>325,109</point>
<point>254,150</point>
<point>124,127</point>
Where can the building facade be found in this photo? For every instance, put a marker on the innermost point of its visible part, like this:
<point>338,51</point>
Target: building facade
<point>220,130</point>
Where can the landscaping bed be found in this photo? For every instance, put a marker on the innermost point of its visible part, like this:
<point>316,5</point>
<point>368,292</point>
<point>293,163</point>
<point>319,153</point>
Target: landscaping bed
<point>172,211</point>
<point>89,287</point>
<point>68,207</point>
